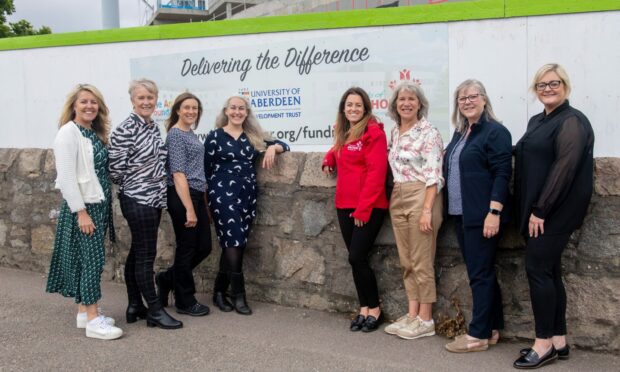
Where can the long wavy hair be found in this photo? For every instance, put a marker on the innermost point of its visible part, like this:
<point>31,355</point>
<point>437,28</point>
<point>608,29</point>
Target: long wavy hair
<point>101,124</point>
<point>251,127</point>
<point>345,132</point>
<point>458,120</point>
<point>176,106</point>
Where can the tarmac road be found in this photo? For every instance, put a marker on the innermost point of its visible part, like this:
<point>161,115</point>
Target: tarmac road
<point>37,333</point>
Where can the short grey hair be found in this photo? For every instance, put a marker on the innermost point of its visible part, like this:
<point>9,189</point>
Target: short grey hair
<point>411,87</point>
<point>147,84</point>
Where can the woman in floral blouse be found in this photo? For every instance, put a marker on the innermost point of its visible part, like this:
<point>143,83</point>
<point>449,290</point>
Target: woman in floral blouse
<point>415,157</point>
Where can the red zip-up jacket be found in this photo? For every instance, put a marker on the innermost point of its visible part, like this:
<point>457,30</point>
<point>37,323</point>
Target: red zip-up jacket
<point>361,168</point>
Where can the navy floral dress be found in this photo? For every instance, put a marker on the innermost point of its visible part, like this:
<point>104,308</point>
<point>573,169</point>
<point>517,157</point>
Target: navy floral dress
<point>231,182</point>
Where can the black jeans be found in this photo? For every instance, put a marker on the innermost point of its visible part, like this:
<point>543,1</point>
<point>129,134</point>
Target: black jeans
<point>193,245</point>
<point>479,255</point>
<point>544,273</point>
<point>359,242</point>
<point>143,222</point>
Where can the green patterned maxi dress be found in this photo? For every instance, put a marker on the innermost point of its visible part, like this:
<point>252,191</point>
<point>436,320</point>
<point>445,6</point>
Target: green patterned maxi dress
<point>78,259</point>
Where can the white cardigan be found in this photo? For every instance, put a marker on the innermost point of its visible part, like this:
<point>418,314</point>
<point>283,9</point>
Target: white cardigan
<point>75,168</point>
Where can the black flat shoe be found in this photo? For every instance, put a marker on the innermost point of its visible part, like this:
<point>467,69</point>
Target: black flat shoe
<point>196,309</point>
<point>563,353</point>
<point>372,324</point>
<point>135,312</point>
<point>160,318</point>
<point>220,300</point>
<point>357,323</point>
<point>531,360</point>
<point>163,289</point>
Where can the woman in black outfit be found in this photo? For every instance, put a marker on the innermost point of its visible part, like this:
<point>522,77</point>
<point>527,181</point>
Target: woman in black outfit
<point>553,185</point>
<point>186,205</point>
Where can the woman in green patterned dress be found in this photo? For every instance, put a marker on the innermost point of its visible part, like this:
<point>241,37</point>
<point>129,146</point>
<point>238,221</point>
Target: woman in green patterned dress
<point>82,177</point>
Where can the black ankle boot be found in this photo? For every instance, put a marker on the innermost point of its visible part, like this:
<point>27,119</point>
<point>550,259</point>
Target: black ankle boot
<point>219,293</point>
<point>160,318</point>
<point>238,293</point>
<point>164,287</point>
<point>135,311</point>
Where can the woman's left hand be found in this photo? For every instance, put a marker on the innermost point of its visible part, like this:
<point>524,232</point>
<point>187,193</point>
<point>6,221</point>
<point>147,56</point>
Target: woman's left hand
<point>425,222</point>
<point>270,157</point>
<point>491,226</point>
<point>358,223</point>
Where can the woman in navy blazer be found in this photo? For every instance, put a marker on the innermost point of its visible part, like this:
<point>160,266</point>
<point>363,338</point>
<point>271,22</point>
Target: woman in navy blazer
<point>477,169</point>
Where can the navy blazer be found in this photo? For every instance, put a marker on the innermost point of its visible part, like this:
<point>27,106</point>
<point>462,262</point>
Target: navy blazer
<point>486,167</point>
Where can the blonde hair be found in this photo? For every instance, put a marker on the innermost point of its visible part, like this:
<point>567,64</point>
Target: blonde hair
<point>101,124</point>
<point>552,67</point>
<point>251,127</point>
<point>459,121</point>
<point>417,91</point>
<point>345,132</point>
<point>147,84</point>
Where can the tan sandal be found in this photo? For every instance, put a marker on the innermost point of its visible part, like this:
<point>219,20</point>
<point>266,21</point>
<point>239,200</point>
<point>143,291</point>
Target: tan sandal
<point>462,344</point>
<point>494,337</point>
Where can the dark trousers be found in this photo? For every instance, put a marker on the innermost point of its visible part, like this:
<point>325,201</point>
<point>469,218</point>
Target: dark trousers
<point>193,245</point>
<point>479,255</point>
<point>359,242</point>
<point>143,223</point>
<point>544,273</point>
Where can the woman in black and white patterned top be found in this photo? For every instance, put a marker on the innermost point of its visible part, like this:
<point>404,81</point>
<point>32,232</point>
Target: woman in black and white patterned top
<point>137,164</point>
<point>186,205</point>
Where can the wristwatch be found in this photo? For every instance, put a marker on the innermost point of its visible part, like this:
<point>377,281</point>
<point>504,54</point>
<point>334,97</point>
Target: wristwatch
<point>494,211</point>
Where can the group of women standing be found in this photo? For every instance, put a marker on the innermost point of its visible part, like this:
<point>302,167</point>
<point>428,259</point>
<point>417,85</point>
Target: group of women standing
<point>469,183</point>
<point>153,175</point>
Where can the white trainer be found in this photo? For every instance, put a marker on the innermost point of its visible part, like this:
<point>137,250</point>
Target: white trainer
<point>99,328</point>
<point>416,329</point>
<point>81,319</point>
<point>398,324</point>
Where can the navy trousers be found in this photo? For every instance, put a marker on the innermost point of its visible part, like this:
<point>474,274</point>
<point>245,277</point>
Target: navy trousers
<point>479,255</point>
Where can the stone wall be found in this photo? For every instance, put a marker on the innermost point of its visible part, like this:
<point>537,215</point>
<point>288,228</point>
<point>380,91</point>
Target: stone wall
<point>296,256</point>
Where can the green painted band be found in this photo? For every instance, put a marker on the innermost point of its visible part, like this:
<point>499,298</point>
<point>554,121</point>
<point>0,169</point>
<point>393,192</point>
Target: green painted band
<point>431,13</point>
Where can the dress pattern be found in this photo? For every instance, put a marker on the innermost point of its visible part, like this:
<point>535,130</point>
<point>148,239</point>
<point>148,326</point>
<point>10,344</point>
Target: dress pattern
<point>231,183</point>
<point>78,259</point>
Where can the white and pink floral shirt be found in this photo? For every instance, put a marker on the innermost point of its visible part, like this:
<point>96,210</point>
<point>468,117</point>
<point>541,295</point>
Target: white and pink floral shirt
<point>417,154</point>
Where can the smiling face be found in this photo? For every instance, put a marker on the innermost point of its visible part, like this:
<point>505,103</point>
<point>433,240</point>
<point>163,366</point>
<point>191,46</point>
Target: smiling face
<point>188,112</point>
<point>354,108</point>
<point>471,103</point>
<point>143,102</point>
<point>551,97</point>
<point>86,108</point>
<point>407,106</point>
<point>236,111</point>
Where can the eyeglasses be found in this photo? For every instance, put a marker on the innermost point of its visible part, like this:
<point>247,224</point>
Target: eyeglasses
<point>472,98</point>
<point>553,84</point>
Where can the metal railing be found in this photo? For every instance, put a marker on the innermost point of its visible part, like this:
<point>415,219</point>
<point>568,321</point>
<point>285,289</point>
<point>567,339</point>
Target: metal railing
<point>182,4</point>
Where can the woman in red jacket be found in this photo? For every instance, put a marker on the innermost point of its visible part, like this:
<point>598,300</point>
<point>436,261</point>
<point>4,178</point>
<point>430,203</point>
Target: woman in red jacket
<point>360,156</point>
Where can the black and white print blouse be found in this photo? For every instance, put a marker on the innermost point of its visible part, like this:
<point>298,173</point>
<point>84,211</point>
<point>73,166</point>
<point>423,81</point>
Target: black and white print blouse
<point>138,161</point>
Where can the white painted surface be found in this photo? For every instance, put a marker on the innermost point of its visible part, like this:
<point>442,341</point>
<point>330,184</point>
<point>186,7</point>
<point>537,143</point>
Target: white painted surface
<point>503,54</point>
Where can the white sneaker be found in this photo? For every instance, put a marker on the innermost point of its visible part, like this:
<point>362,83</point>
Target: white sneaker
<point>99,328</point>
<point>81,319</point>
<point>398,324</point>
<point>416,329</point>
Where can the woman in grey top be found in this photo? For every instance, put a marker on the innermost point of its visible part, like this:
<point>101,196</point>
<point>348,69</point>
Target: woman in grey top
<point>186,205</point>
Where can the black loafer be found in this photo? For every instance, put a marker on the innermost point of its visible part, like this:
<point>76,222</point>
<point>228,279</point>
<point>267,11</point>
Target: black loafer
<point>196,309</point>
<point>357,323</point>
<point>531,360</point>
<point>372,324</point>
<point>563,353</point>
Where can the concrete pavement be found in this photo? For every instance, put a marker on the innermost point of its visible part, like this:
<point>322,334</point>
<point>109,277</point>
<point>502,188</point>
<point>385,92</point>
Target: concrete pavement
<point>37,333</point>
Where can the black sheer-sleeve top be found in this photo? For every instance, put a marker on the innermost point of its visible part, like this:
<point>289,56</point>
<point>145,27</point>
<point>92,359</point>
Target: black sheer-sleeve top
<point>554,170</point>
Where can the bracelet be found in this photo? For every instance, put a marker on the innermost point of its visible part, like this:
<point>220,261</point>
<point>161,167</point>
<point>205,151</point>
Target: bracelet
<point>427,211</point>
